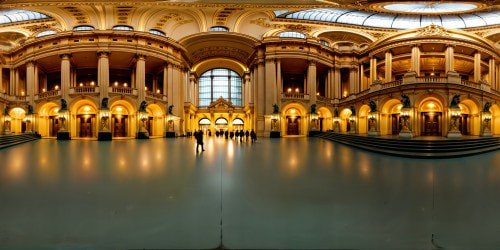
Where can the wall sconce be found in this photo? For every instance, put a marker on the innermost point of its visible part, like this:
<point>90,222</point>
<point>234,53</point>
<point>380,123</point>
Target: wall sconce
<point>297,90</point>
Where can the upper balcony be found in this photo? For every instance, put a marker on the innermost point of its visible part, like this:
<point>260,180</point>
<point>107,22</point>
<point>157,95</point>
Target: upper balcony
<point>118,90</point>
<point>84,90</point>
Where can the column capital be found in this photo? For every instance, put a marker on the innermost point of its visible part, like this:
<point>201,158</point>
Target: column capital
<point>413,45</point>
<point>31,62</point>
<point>140,57</point>
<point>312,62</point>
<point>65,56</point>
<point>103,53</point>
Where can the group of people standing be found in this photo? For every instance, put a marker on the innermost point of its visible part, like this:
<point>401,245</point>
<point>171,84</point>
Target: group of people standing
<point>198,135</point>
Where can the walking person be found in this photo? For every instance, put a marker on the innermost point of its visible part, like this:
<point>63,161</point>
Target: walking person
<point>199,140</point>
<point>253,135</point>
<point>246,135</point>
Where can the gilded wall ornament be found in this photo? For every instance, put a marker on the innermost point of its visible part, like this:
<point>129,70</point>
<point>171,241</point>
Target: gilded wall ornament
<point>433,30</point>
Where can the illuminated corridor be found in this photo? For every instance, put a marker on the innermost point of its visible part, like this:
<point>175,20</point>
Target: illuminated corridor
<point>302,193</point>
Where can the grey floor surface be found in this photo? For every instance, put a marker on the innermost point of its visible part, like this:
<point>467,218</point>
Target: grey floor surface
<point>289,193</point>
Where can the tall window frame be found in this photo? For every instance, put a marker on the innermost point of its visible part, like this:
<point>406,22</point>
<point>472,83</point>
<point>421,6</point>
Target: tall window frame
<point>220,82</point>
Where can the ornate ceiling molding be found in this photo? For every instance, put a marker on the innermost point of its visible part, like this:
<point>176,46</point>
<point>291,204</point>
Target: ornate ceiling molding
<point>219,51</point>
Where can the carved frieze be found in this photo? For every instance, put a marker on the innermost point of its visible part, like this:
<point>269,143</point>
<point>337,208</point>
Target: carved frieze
<point>433,30</point>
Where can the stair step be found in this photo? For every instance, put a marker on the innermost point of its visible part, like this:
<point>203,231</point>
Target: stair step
<point>417,148</point>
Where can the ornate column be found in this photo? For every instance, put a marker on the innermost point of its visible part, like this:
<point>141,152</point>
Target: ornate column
<point>388,66</point>
<point>477,66</point>
<point>12,82</point>
<point>30,81</point>
<point>260,98</point>
<point>65,75</point>
<point>491,74</point>
<point>373,69</point>
<point>415,59</point>
<point>353,81</point>
<point>2,90</point>
<point>311,81</point>
<point>449,56</point>
<point>103,73</point>
<point>140,77</point>
<point>165,80</point>
<point>336,84</point>
<point>279,83</point>
<point>270,85</point>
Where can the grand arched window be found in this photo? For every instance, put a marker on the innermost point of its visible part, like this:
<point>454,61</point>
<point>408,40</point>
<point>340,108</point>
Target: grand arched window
<point>216,83</point>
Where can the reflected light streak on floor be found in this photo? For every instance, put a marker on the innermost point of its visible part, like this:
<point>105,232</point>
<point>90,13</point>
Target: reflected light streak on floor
<point>289,193</point>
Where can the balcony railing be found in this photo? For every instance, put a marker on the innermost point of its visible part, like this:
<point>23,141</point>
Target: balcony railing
<point>322,99</point>
<point>442,79</point>
<point>296,96</point>
<point>392,84</point>
<point>157,96</point>
<point>85,89</point>
<point>471,84</point>
<point>123,90</point>
<point>48,94</point>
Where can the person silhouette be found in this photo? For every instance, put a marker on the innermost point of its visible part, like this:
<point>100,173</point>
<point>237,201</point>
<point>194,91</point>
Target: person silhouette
<point>199,140</point>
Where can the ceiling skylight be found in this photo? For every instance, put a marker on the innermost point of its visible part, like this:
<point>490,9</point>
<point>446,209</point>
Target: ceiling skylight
<point>394,20</point>
<point>14,16</point>
<point>430,7</point>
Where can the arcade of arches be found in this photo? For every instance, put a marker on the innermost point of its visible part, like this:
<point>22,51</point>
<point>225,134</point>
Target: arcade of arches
<point>221,68</point>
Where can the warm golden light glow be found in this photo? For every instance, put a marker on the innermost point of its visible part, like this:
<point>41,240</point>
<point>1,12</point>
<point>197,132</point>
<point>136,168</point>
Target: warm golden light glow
<point>158,91</point>
<point>431,105</point>
<point>119,109</point>
<point>92,83</point>
<point>125,84</point>
<point>81,84</point>
<point>56,87</point>
<point>86,108</point>
<point>116,83</point>
<point>289,90</point>
<point>297,90</point>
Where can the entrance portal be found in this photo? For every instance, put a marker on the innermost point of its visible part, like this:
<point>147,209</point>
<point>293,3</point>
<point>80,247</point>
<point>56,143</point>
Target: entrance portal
<point>85,125</point>
<point>431,122</point>
<point>292,125</point>
<point>119,125</point>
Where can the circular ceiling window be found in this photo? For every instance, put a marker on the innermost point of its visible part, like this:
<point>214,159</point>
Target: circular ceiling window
<point>430,7</point>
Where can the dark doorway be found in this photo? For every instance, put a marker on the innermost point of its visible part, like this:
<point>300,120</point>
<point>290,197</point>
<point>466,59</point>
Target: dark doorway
<point>462,124</point>
<point>53,126</point>
<point>85,125</point>
<point>396,124</point>
<point>292,125</point>
<point>149,125</point>
<point>119,125</point>
<point>431,124</point>
<point>321,124</point>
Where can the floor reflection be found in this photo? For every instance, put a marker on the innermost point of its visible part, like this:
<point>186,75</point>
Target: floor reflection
<point>274,194</point>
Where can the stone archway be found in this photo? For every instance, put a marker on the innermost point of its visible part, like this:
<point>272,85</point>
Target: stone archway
<point>431,118</point>
<point>363,119</point>
<point>155,124</point>
<point>495,119</point>
<point>294,120</point>
<point>390,119</point>
<point>84,120</point>
<point>325,119</point>
<point>48,122</point>
<point>345,125</point>
<point>123,118</point>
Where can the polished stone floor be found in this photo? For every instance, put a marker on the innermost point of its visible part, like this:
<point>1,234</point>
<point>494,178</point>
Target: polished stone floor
<point>289,193</point>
